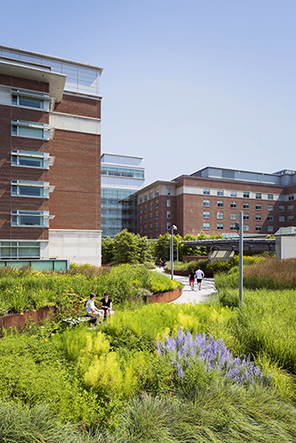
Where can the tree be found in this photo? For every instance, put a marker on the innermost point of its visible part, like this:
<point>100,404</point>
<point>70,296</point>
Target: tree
<point>107,250</point>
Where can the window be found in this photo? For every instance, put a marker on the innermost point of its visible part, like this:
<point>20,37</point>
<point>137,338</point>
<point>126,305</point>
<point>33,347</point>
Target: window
<point>145,218</point>
<point>258,195</point>
<point>168,191</point>
<point>269,228</point>
<point>145,198</point>
<point>145,208</point>
<point>282,208</point>
<point>151,206</point>
<point>281,198</point>
<point>269,207</point>
<point>141,209</point>
<point>258,228</point>
<point>233,194</point>
<point>31,159</point>
<point>156,215</point>
<point>206,214</point>
<point>140,229</point>
<point>246,194</point>
<point>157,193</point>
<point>233,216</point>
<point>290,218</point>
<point>220,192</point>
<point>26,188</point>
<point>30,99</point>
<point>220,226</point>
<point>145,228</point>
<point>156,226</point>
<point>220,215</point>
<point>206,226</point>
<point>206,203</point>
<point>112,171</point>
<point>206,191</point>
<point>140,219</point>
<point>151,227</point>
<point>220,204</point>
<point>291,208</point>
<point>168,214</point>
<point>258,217</point>
<point>233,205</point>
<point>270,218</point>
<point>246,217</point>
<point>151,217</point>
<point>168,203</point>
<point>233,227</point>
<point>156,203</point>
<point>246,228</point>
<point>168,226</point>
<point>258,207</point>
<point>270,196</point>
<point>30,218</point>
<point>30,129</point>
<point>19,250</point>
<point>281,218</point>
<point>151,195</point>
<point>291,197</point>
<point>246,206</point>
<point>141,199</point>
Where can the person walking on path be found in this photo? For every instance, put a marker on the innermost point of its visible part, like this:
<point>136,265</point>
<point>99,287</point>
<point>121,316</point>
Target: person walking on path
<point>191,279</point>
<point>91,310</point>
<point>199,276</point>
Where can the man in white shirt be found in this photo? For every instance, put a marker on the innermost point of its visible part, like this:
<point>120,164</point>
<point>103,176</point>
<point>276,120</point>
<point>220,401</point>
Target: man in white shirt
<point>199,276</point>
<point>91,310</point>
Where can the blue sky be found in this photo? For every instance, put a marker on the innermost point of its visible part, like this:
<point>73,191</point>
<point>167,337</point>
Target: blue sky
<point>186,84</point>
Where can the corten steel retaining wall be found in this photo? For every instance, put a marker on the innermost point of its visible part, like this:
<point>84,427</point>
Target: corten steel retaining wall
<point>166,297</point>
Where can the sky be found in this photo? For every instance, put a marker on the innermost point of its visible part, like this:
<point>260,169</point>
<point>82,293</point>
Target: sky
<point>186,83</point>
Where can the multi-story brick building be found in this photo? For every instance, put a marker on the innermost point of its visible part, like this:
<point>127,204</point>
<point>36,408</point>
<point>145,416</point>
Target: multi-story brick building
<point>50,115</point>
<point>211,199</point>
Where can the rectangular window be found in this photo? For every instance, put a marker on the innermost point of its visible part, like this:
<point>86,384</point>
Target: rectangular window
<point>151,217</point>
<point>233,227</point>
<point>220,215</point>
<point>246,206</point>
<point>151,195</point>
<point>220,192</point>
<point>220,226</point>
<point>291,208</point>
<point>233,194</point>
<point>168,214</point>
<point>141,209</point>
<point>246,194</point>
<point>258,228</point>
<point>281,218</point>
<point>270,218</point>
<point>168,203</point>
<point>145,228</point>
<point>156,215</point>
<point>206,191</point>
<point>206,226</point>
<point>269,228</point>
<point>281,198</point>
<point>25,188</point>
<point>168,191</point>
<point>206,203</point>
<point>258,207</point>
<point>151,206</point>
<point>290,218</point>
<point>220,204</point>
<point>151,227</point>
<point>19,250</point>
<point>233,216</point>
<point>233,205</point>
<point>145,218</point>
<point>270,196</point>
<point>157,193</point>
<point>291,197</point>
<point>282,208</point>
<point>206,214</point>
<point>141,199</point>
<point>145,198</point>
<point>168,226</point>
<point>30,218</point>
<point>30,129</point>
<point>145,208</point>
<point>140,219</point>
<point>140,229</point>
<point>258,195</point>
<point>246,228</point>
<point>31,159</point>
<point>156,226</point>
<point>258,217</point>
<point>27,99</point>
<point>269,207</point>
<point>156,203</point>
<point>246,217</point>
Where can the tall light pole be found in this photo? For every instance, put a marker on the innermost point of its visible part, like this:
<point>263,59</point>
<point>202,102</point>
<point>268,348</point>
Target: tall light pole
<point>240,227</point>
<point>174,228</point>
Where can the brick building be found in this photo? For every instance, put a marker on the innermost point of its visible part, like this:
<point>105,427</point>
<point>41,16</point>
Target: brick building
<point>210,200</point>
<point>50,115</point>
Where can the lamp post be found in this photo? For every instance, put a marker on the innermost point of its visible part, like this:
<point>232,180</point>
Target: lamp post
<point>174,228</point>
<point>240,227</point>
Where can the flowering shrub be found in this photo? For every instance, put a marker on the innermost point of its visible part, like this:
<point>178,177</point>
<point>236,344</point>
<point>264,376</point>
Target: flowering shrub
<point>186,350</point>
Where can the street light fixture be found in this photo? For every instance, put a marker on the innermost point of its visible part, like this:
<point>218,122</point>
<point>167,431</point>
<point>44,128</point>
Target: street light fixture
<point>174,228</point>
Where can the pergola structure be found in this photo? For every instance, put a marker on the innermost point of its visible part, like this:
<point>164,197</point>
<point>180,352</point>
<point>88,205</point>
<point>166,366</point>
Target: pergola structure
<point>232,244</point>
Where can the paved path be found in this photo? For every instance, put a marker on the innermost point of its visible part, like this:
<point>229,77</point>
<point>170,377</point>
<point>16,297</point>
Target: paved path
<point>196,296</point>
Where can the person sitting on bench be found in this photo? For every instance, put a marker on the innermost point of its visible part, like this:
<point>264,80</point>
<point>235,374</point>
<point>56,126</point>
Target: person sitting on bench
<point>91,310</point>
<point>106,304</point>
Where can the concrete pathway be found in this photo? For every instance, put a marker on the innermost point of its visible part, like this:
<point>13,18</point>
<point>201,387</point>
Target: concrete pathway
<point>196,296</point>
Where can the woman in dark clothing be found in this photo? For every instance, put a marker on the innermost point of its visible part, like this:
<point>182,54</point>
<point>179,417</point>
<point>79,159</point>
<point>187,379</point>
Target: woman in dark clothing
<point>191,279</point>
